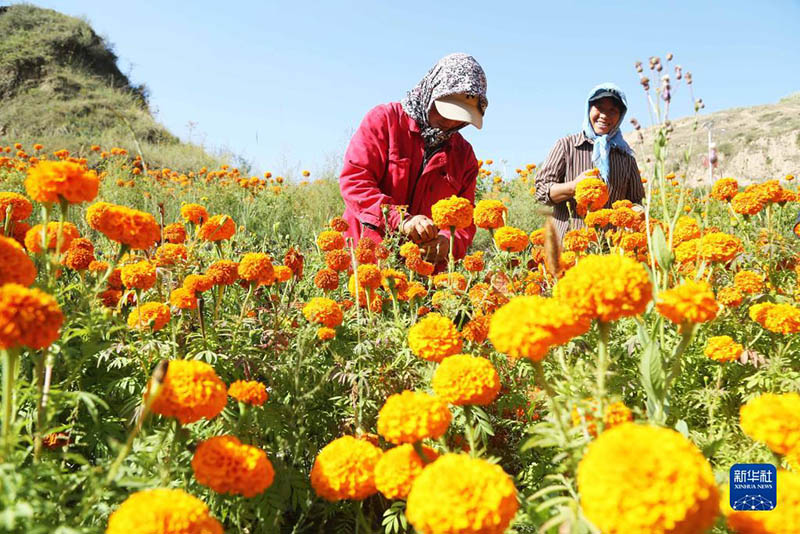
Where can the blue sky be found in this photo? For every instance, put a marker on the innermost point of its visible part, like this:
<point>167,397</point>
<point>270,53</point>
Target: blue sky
<point>285,83</point>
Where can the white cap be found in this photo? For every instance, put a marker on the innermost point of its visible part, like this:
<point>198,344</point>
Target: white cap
<point>460,108</point>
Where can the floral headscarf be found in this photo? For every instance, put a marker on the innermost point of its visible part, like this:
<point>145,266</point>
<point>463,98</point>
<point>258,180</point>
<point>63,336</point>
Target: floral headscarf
<point>453,74</point>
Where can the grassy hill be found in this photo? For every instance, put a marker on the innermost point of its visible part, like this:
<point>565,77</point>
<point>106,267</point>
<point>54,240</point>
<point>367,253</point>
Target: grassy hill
<point>753,143</point>
<point>60,86</point>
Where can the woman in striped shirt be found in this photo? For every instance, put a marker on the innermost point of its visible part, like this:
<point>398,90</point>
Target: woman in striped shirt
<point>599,145</point>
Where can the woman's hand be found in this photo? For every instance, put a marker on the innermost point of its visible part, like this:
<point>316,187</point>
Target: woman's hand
<point>436,250</point>
<point>420,229</point>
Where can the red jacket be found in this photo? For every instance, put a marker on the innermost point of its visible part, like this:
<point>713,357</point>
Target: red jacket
<point>382,165</point>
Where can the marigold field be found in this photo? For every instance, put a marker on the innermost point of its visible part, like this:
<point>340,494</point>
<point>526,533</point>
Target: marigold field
<point>197,351</point>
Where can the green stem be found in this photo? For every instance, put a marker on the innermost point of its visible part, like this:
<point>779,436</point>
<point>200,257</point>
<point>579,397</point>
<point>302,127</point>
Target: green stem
<point>10,357</point>
<point>469,429</point>
<point>551,394</point>
<point>687,333</point>
<point>451,260</point>
<point>602,363</point>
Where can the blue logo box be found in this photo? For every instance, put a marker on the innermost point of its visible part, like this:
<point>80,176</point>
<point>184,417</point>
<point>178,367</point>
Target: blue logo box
<point>753,487</point>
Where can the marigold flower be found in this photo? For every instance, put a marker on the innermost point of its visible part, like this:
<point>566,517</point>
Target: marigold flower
<point>720,247</point>
<point>282,273</point>
<point>28,318</point>
<point>162,511</point>
<point>323,311</point>
<point>454,212</point>
<point>170,254</point>
<point>52,181</point>
<point>765,192</point>
<point>783,519</point>
<point>369,276</point>
<point>223,272</point>
<point>485,299</point>
<point>579,240</point>
<point>477,329</point>
<point>489,214</point>
<point>183,299</point>
<point>474,262</point>
<point>328,240</point>
<point>397,469</point>
<point>190,391</point>
<point>326,279</point>
<point>625,488</point>
<point>409,249</point>
<point>599,218</point>
<point>730,297</point>
<point>194,213</point>
<point>690,302</point>
<point>257,267</point>
<point>724,189</point>
<point>454,281</point>
<point>226,465</point>
<point>723,349</point>
<point>746,204</point>
<point>464,495</point>
<point>15,265</point>
<point>338,259</point>
<point>33,238</point>
<point>325,334</point>
<point>134,228</point>
<point>139,275</point>
<point>21,207</point>
<point>464,379</point>
<point>528,326</point>
<point>419,266</point>
<point>605,288</point>
<point>624,218</point>
<point>511,239</point>
<point>345,469</point>
<point>150,316</point>
<point>249,392</point>
<point>294,261</point>
<point>779,318</point>
<point>392,278</point>
<point>434,338</point>
<point>174,233</point>
<point>685,229</point>
<point>365,256</point>
<point>591,194</point>
<point>748,282</point>
<point>217,228</point>
<point>411,416</point>
<point>774,420</point>
<point>338,224</point>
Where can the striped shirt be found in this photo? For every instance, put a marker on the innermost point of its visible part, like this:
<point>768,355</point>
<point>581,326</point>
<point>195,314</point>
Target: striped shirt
<point>570,157</point>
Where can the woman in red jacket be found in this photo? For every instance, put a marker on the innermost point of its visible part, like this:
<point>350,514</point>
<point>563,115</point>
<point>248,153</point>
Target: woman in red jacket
<point>410,154</point>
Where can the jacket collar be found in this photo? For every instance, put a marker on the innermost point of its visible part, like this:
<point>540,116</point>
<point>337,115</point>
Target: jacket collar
<point>581,138</point>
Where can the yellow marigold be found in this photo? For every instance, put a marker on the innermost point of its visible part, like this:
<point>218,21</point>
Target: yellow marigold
<point>134,228</point>
<point>33,238</point>
<point>414,290</point>
<point>170,254</point>
<point>409,249</point>
<point>537,237</point>
<point>249,392</point>
<point>749,282</point>
<point>774,420</point>
<point>690,302</point>
<point>779,318</point>
<point>605,288</point>
<point>338,224</point>
<point>730,297</point>
<point>591,194</point>
<point>765,192</point>
<point>15,265</point>
<point>52,181</point>
<point>434,338</point>
<point>174,233</point>
<point>685,229</point>
<point>784,519</point>
<point>326,279</point>
<point>454,281</point>
<point>587,412</point>
<point>624,217</point>
<point>601,217</point>
<point>226,465</point>
<point>458,494</point>
<point>626,488</point>
<point>528,326</point>
<point>723,349</point>
<point>162,511</point>
<point>139,275</point>
<point>183,299</point>
<point>724,189</point>
<point>28,318</point>
<point>455,212</point>
<point>579,240</point>
<point>194,213</point>
<point>223,272</point>
<point>616,414</point>
<point>369,276</point>
<point>330,240</point>
<point>217,228</point>
<point>411,416</point>
<point>474,262</point>
<point>489,214</point>
<point>746,204</point>
<point>21,207</point>
<point>149,316</point>
<point>190,391</point>
<point>325,334</point>
<point>464,379</point>
<point>720,247</point>
<point>510,239</point>
<point>282,273</point>
<point>337,259</point>
<point>397,469</point>
<point>323,311</point>
<point>345,469</point>
<point>257,267</point>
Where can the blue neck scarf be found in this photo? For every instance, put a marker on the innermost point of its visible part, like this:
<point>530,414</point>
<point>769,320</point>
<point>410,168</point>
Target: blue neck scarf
<point>613,139</point>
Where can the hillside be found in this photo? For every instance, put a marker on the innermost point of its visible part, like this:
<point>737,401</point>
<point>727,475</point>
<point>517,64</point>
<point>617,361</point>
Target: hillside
<point>753,143</point>
<point>60,86</point>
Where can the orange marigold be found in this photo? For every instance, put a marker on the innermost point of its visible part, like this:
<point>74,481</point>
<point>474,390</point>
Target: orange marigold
<point>328,240</point>
<point>139,275</point>
<point>174,233</point>
<point>217,228</point>
<point>183,299</point>
<point>409,249</point>
<point>779,318</point>
<point>150,315</point>
<point>464,379</point>
<point>338,259</point>
<point>748,282</point>
<point>369,276</point>
<point>194,213</point>
<point>223,272</point>
<point>325,334</point>
<point>28,318</point>
<point>474,262</point>
<point>411,416</point>
<point>724,189</point>
<point>345,469</point>
<point>338,224</point>
<point>454,212</point>
<point>454,281</point>
<point>15,265</point>
<point>685,229</point>
<point>690,302</point>
<point>397,469</point>
<point>746,204</point>
<point>198,283</point>
<point>591,194</point>
<point>190,391</point>
<point>21,207</point>
<point>294,261</point>
<point>226,465</point>
<point>723,349</point>
<point>601,217</point>
<point>33,238</point>
<point>257,267</point>
<point>774,420</point>
<point>323,311</point>
<point>53,181</point>
<point>326,279</point>
<point>133,228</point>
<point>249,392</point>
<point>419,266</point>
<point>80,254</point>
<point>282,273</point>
<point>170,254</point>
<point>163,511</point>
<point>477,329</point>
<point>730,297</point>
<point>434,338</point>
<point>510,239</point>
<point>489,214</point>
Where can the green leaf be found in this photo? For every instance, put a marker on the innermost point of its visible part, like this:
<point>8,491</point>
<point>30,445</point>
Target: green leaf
<point>682,427</point>
<point>661,251</point>
<point>652,376</point>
